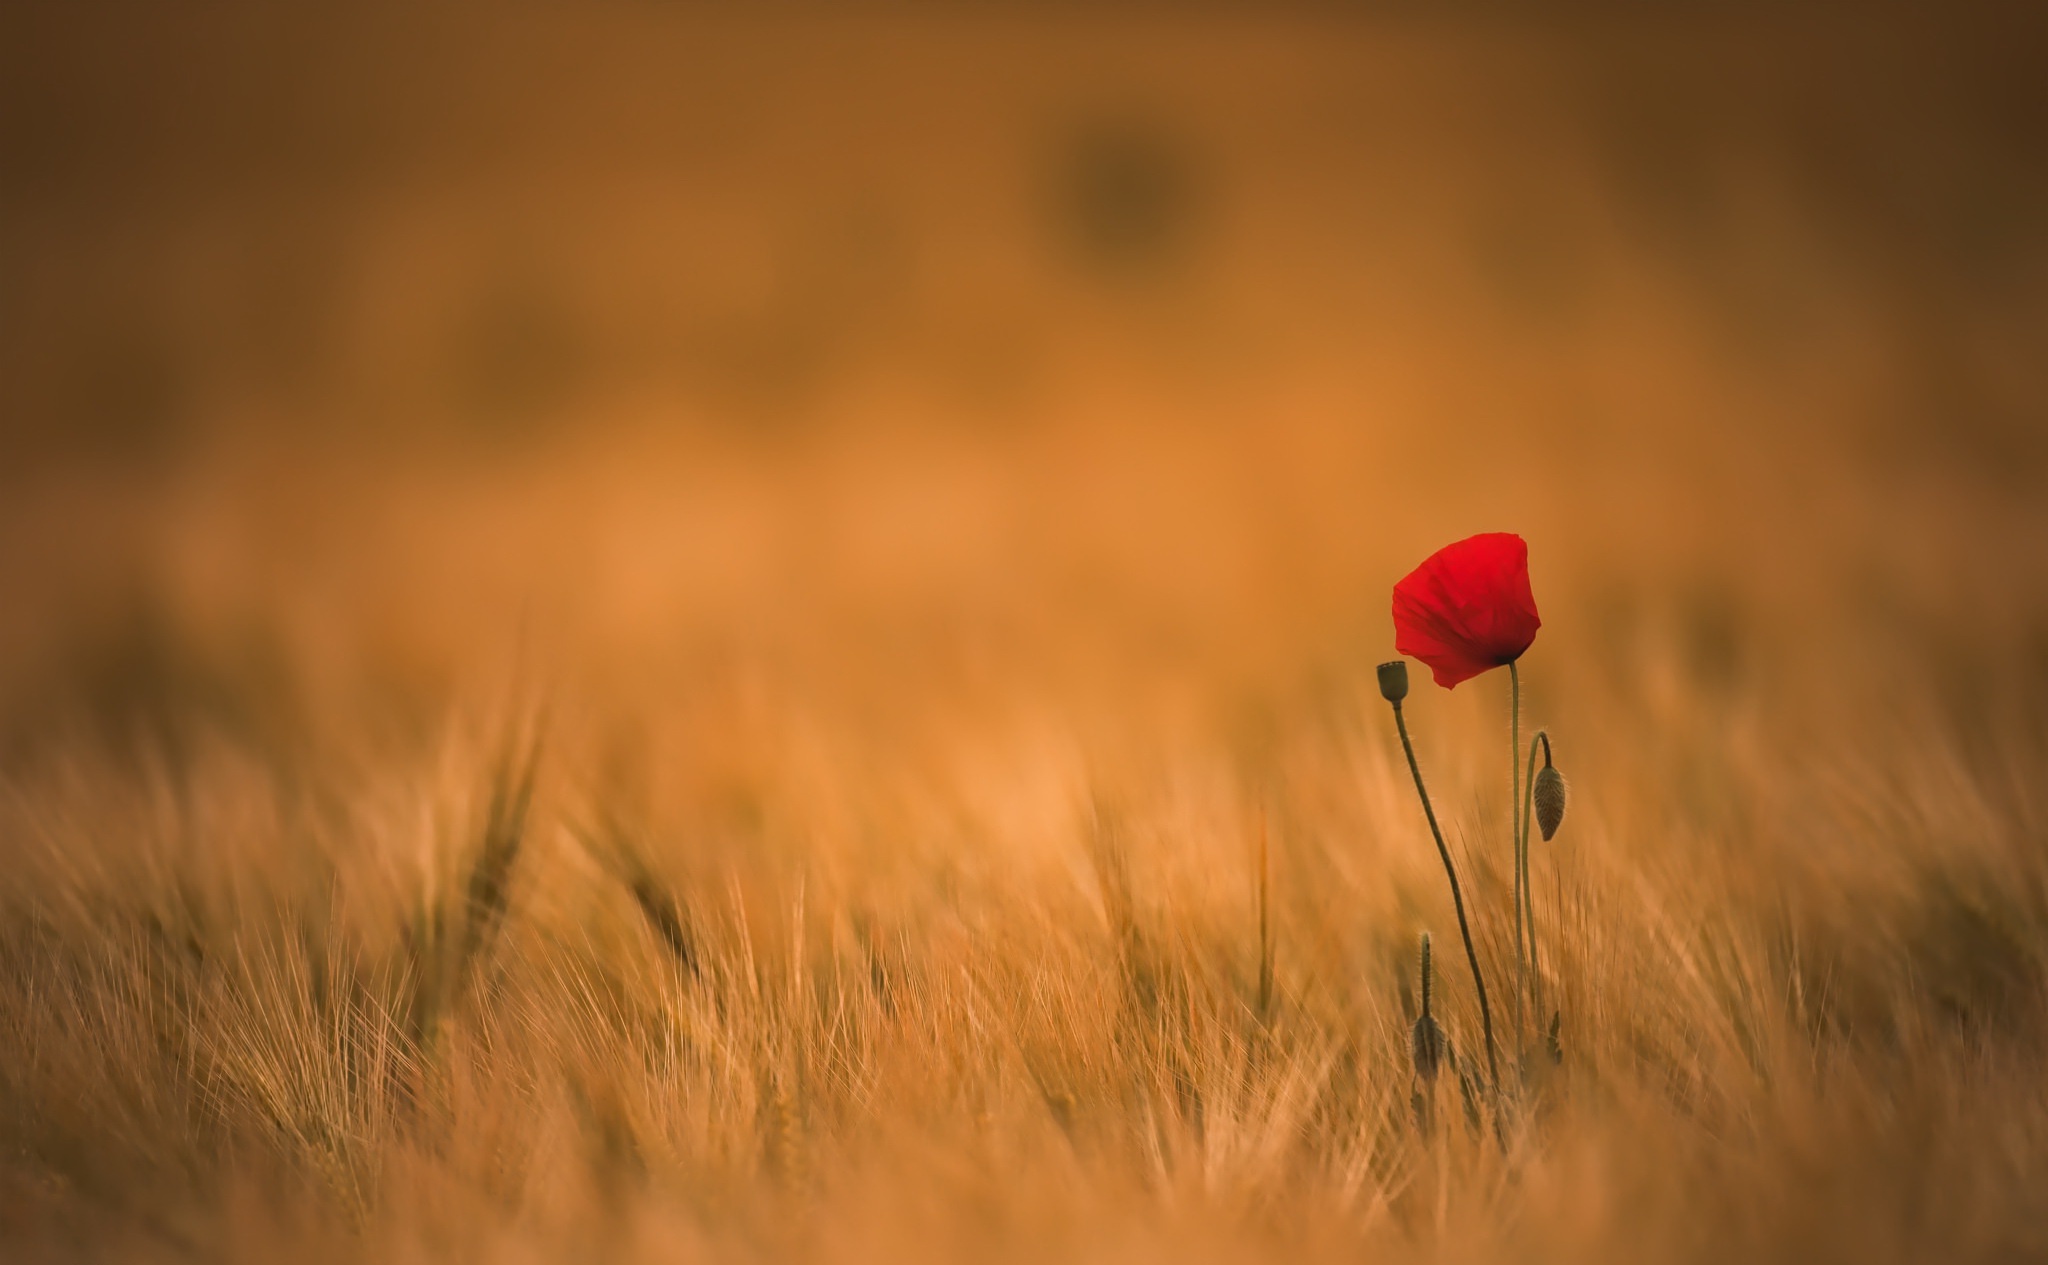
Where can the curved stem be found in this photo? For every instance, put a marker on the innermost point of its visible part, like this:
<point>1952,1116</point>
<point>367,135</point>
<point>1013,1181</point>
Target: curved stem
<point>1457,897</point>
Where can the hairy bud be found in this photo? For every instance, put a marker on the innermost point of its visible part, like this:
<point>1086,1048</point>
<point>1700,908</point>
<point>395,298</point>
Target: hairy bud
<point>1549,800</point>
<point>1426,1038</point>
<point>1426,1043</point>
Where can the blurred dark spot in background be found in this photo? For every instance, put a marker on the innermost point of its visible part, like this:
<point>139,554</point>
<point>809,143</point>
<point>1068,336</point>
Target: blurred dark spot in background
<point>517,354</point>
<point>1127,197</point>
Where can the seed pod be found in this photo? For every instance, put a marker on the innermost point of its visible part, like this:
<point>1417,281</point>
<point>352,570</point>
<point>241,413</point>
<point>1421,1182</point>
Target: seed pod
<point>1426,1038</point>
<point>1394,680</point>
<point>1426,1046</point>
<point>1549,797</point>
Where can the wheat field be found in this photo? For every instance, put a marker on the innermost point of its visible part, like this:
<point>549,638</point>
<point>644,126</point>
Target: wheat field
<point>632,635</point>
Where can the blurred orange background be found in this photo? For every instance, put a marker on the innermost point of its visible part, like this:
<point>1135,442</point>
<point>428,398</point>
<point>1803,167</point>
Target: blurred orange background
<point>360,356</point>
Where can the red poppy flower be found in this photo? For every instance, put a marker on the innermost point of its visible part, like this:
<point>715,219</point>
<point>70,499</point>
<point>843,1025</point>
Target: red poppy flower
<point>1468,607</point>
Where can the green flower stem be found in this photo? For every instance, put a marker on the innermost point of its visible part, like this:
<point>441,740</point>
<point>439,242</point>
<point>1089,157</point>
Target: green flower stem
<point>1527,814</point>
<point>1515,836</point>
<point>1457,896</point>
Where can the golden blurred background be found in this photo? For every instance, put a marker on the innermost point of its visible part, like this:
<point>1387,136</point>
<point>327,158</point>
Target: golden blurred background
<point>360,359</point>
<point>932,475</point>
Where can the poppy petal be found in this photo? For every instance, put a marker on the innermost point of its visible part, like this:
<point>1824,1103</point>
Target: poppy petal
<point>1468,608</point>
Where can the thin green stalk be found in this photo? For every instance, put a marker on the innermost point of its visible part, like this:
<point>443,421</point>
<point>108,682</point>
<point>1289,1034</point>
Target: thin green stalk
<point>1527,815</point>
<point>1457,896</point>
<point>1515,841</point>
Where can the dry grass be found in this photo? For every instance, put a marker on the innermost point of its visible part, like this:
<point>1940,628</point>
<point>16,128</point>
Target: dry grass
<point>857,952</point>
<point>947,812</point>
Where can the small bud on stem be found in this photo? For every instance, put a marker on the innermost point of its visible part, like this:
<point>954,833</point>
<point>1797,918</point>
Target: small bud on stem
<point>1394,680</point>
<point>1426,1039</point>
<point>1549,798</point>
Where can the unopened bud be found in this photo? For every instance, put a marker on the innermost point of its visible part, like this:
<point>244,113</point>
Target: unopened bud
<point>1394,680</point>
<point>1426,1038</point>
<point>1426,1043</point>
<point>1549,798</point>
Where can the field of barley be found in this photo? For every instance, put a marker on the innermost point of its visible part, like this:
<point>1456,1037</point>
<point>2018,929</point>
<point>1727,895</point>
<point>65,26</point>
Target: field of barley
<point>635,633</point>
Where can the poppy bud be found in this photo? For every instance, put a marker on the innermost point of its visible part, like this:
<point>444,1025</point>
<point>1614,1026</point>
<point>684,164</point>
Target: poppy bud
<point>1549,799</point>
<point>1426,1038</point>
<point>1427,1044</point>
<point>1394,680</point>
